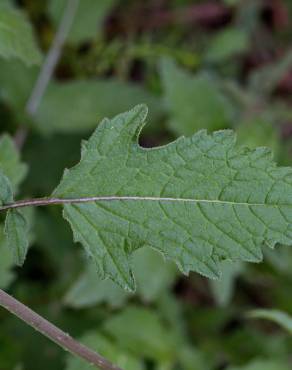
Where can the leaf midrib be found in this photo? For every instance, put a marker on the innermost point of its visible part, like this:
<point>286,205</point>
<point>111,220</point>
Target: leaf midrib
<point>53,201</point>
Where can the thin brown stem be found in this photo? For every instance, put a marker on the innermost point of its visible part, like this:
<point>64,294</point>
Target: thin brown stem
<point>54,333</point>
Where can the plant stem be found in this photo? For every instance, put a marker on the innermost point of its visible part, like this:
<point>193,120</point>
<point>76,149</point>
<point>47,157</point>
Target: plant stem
<point>54,333</point>
<point>48,67</point>
<point>52,57</point>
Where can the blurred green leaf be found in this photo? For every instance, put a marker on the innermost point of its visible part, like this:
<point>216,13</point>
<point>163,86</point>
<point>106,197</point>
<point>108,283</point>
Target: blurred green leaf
<point>146,336</point>
<point>6,262</point>
<point>10,162</point>
<point>88,20</point>
<point>89,290</point>
<point>193,101</point>
<point>257,132</point>
<point>265,79</point>
<point>223,288</point>
<point>16,36</point>
<point>226,44</point>
<point>193,359</point>
<point>280,259</point>
<point>153,277</point>
<point>279,317</point>
<point>74,106</point>
<point>263,365</point>
<point>16,83</point>
<point>79,105</point>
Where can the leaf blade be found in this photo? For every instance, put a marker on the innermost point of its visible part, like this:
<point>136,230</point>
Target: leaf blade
<point>16,231</point>
<point>16,37</point>
<point>197,200</point>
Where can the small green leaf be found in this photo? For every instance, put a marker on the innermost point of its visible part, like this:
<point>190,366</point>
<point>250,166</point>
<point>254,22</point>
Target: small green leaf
<point>194,101</point>
<point>16,231</point>
<point>6,193</point>
<point>12,172</point>
<point>10,162</point>
<point>279,317</point>
<point>109,350</point>
<point>6,261</point>
<point>16,37</point>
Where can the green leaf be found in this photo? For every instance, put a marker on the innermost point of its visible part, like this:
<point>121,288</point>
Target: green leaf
<point>6,261</point>
<point>146,336</point>
<point>193,359</point>
<point>197,200</point>
<point>153,278</point>
<point>227,43</point>
<point>263,365</point>
<point>153,274</point>
<point>223,288</point>
<point>16,37</point>
<point>194,101</point>
<point>10,162</point>
<point>16,230</point>
<point>258,132</point>
<point>109,350</point>
<point>12,172</point>
<point>74,106</point>
<point>89,290</point>
<point>264,80</point>
<point>89,17</point>
<point>16,82</point>
<point>279,317</point>
<point>280,259</point>
<point>6,193</point>
<point>79,105</point>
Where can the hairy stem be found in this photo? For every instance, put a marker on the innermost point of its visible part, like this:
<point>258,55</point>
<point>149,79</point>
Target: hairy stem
<point>54,333</point>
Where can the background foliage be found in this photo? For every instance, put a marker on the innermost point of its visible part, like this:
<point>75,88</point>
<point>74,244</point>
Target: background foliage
<point>196,64</point>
